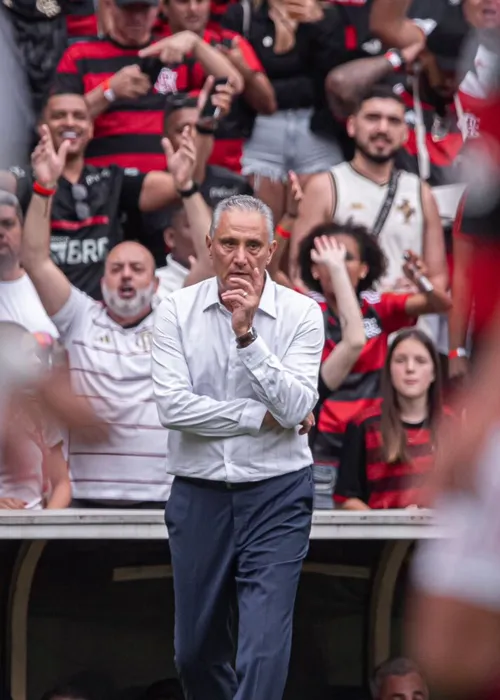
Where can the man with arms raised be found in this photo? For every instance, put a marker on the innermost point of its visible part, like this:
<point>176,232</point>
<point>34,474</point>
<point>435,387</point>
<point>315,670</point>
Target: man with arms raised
<point>235,375</point>
<point>90,201</point>
<point>360,190</point>
<point>108,346</point>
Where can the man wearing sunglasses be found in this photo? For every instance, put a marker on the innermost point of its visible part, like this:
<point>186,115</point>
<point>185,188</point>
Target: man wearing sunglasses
<point>90,202</point>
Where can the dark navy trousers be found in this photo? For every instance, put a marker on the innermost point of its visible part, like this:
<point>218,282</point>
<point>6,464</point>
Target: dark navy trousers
<point>251,539</point>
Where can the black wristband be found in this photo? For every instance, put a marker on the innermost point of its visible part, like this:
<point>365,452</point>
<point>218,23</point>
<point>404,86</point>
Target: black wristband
<point>184,194</point>
<point>205,130</point>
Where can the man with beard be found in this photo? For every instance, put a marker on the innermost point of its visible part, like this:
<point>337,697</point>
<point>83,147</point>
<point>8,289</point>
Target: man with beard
<point>396,206</point>
<point>109,346</point>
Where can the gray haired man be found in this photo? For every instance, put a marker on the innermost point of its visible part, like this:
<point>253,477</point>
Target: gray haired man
<point>235,369</point>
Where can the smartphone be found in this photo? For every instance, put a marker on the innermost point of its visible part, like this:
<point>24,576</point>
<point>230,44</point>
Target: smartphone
<point>210,113</point>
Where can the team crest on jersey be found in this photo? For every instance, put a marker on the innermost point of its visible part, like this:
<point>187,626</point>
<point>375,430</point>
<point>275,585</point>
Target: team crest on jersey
<point>469,124</point>
<point>357,205</point>
<point>407,211</point>
<point>144,340</point>
<point>166,82</point>
<point>372,328</point>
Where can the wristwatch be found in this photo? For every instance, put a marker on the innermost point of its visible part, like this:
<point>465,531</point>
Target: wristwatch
<point>395,58</point>
<point>242,341</point>
<point>189,192</point>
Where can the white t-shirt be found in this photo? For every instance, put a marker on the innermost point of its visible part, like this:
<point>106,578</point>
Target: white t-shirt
<point>19,302</point>
<point>466,564</point>
<point>111,366</point>
<point>172,278</point>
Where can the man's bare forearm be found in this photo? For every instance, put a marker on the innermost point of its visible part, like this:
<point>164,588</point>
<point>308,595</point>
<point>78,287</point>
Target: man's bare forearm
<point>345,84</point>
<point>389,23</point>
<point>200,218</point>
<point>215,63</point>
<point>51,284</point>
<point>96,102</point>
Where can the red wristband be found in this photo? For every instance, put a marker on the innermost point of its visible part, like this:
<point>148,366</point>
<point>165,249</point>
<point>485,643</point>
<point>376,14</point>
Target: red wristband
<point>43,191</point>
<point>282,233</point>
<point>457,352</point>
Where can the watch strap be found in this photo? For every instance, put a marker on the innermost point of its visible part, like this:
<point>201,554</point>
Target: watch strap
<point>243,340</point>
<point>184,194</point>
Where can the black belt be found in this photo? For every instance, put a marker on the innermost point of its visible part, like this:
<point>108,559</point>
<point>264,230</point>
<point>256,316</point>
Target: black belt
<point>220,485</point>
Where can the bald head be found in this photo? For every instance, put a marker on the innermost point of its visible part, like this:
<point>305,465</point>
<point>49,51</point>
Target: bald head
<point>129,281</point>
<point>131,252</point>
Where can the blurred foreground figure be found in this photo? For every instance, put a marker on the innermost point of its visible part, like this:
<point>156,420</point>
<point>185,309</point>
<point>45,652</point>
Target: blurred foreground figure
<point>35,401</point>
<point>455,613</point>
<point>16,118</point>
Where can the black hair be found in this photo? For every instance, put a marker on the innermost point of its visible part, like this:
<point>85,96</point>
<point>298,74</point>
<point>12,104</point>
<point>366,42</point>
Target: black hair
<point>379,91</point>
<point>392,667</point>
<point>178,100</point>
<point>370,252</point>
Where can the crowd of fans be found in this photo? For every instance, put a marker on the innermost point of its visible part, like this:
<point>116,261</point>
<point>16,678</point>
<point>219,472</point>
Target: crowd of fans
<point>349,119</point>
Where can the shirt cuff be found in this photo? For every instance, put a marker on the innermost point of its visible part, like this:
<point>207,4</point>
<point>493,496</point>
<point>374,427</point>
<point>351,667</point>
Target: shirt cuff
<point>254,354</point>
<point>252,417</point>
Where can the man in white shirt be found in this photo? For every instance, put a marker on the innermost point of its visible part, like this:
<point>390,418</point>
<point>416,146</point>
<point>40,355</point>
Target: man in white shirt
<point>235,370</point>
<point>109,349</point>
<point>19,301</point>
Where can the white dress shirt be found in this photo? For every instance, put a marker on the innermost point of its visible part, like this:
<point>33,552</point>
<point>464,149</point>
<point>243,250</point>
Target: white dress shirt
<point>213,396</point>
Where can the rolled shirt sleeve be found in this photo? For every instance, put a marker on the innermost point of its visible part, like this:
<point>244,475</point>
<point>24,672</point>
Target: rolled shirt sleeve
<point>288,387</point>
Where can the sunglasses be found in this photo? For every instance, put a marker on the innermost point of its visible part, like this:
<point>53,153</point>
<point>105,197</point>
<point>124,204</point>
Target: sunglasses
<point>80,195</point>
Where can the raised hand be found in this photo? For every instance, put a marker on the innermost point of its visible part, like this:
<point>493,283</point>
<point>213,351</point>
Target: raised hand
<point>327,251</point>
<point>181,163</point>
<point>172,49</point>
<point>414,267</point>
<point>47,163</point>
<point>243,302</point>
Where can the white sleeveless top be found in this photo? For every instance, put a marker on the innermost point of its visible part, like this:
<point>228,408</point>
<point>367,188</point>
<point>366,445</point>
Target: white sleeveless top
<point>359,199</point>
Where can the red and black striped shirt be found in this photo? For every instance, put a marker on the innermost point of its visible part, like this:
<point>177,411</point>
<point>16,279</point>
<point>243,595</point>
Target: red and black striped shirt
<point>383,314</point>
<point>129,132</point>
<point>217,11</point>
<point>365,474</point>
<point>237,126</point>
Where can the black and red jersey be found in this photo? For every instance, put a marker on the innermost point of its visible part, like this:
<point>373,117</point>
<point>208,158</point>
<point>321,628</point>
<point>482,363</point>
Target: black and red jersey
<point>217,11</point>
<point>86,219</point>
<point>478,219</point>
<point>237,126</point>
<point>443,138</point>
<point>364,472</point>
<point>81,19</point>
<point>383,314</point>
<point>129,132</point>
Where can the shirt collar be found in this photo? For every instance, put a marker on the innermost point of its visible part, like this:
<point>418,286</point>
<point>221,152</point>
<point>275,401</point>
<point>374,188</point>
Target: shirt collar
<point>267,302</point>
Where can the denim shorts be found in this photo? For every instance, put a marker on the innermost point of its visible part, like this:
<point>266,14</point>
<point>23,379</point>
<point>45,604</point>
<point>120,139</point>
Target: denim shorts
<point>283,142</point>
<point>324,479</point>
